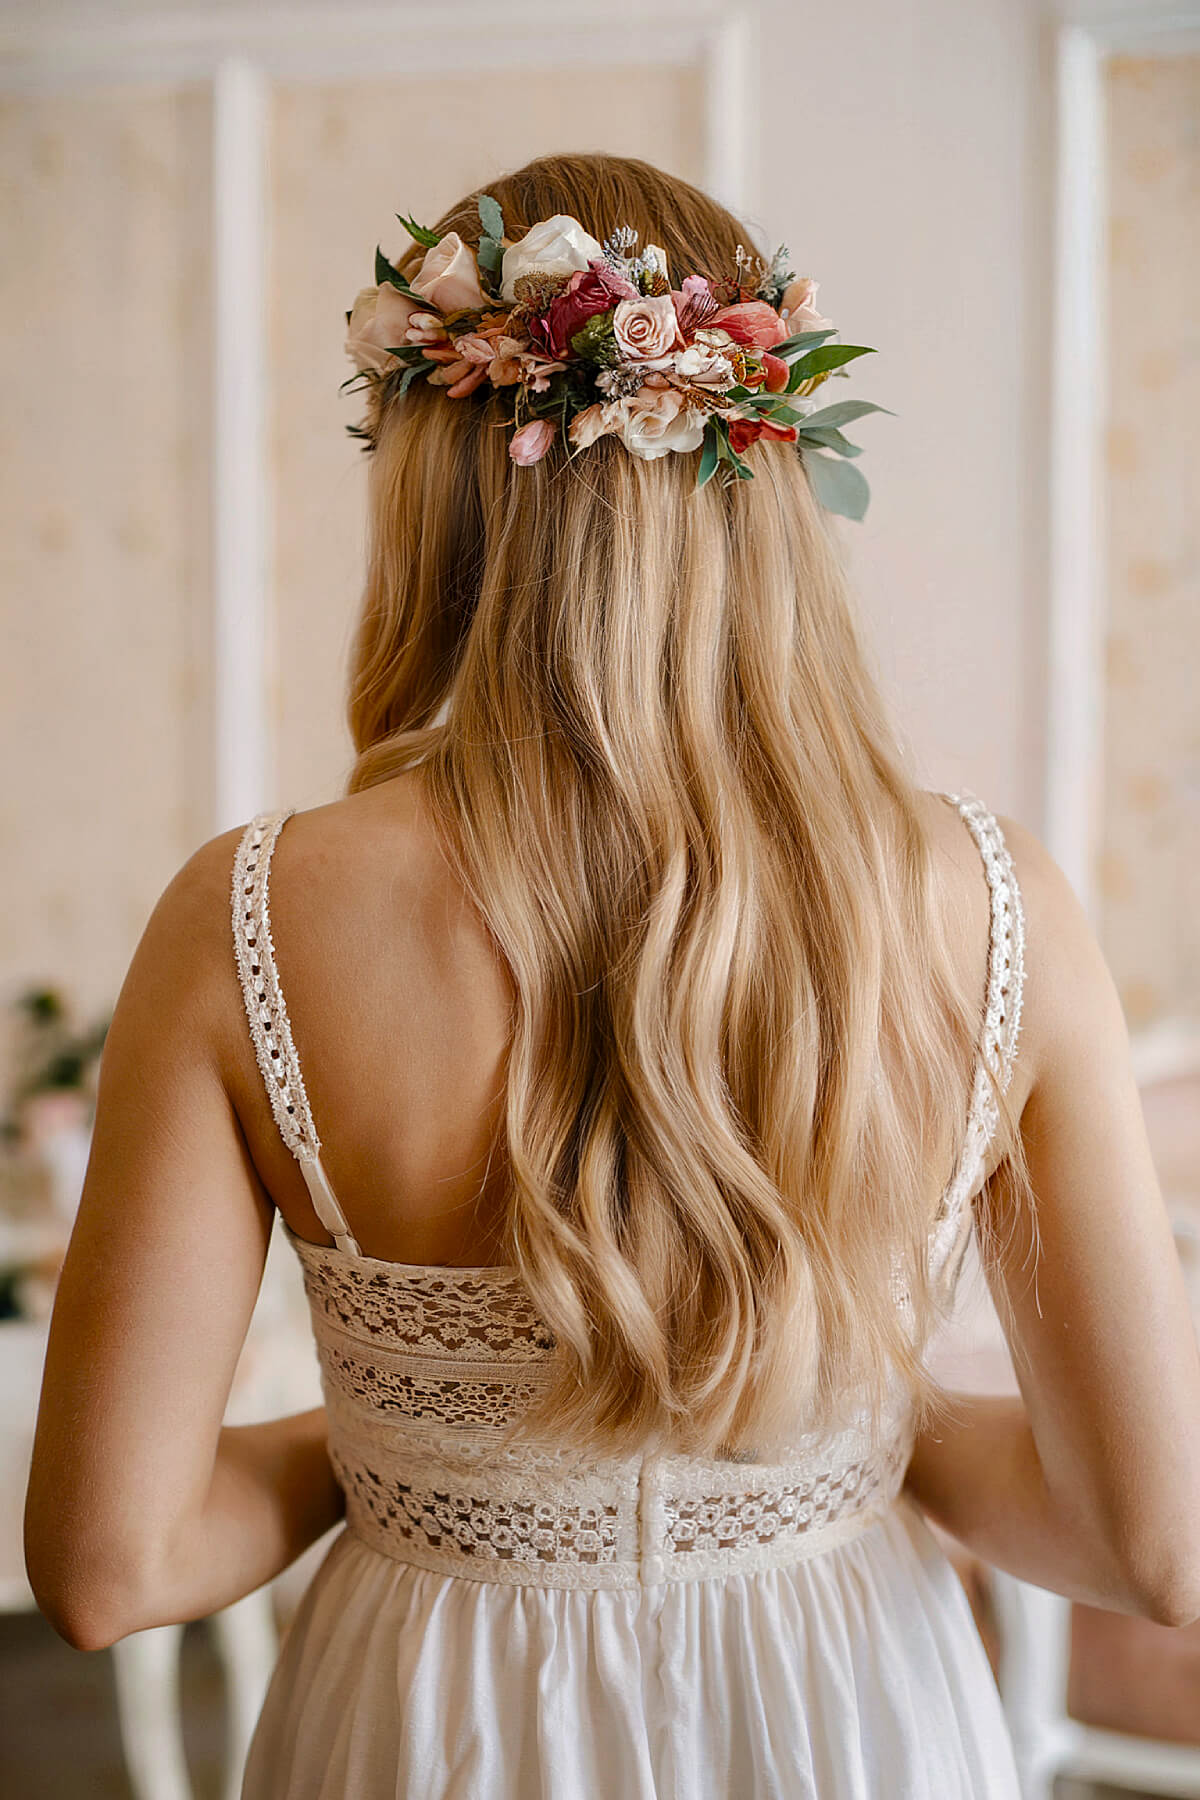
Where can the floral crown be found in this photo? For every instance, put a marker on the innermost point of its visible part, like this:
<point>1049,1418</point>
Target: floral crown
<point>592,340</point>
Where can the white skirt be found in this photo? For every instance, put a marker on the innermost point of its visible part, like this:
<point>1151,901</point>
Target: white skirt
<point>855,1675</point>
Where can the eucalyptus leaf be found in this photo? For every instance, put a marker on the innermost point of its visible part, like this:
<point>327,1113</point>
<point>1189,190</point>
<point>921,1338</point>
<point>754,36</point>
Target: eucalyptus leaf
<point>843,412</point>
<point>830,437</point>
<point>804,341</point>
<point>830,356</point>
<point>490,217</point>
<point>421,233</point>
<point>710,455</point>
<point>410,375</point>
<point>490,254</point>
<point>839,486</point>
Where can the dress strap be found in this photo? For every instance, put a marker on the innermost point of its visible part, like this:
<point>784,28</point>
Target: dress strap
<point>1001,1020</point>
<point>270,1028</point>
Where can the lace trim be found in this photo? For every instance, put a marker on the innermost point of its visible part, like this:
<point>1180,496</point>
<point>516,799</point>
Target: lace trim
<point>1001,1021</point>
<point>266,1012</point>
<point>474,1315</point>
<point>647,1521</point>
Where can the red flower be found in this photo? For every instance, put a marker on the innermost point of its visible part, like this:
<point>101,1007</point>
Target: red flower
<point>588,292</point>
<point>751,322</point>
<point>744,432</point>
<point>777,373</point>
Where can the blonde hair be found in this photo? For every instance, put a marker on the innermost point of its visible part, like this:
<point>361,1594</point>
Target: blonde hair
<point>739,1058</point>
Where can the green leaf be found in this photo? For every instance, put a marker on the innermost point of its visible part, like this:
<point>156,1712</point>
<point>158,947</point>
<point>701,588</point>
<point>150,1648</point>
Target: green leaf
<point>490,254</point>
<point>421,233</point>
<point>728,454</point>
<point>710,455</point>
<point>843,412</point>
<point>830,437</point>
<point>831,356</point>
<point>805,341</point>
<point>839,486</point>
<point>490,217</point>
<point>384,272</point>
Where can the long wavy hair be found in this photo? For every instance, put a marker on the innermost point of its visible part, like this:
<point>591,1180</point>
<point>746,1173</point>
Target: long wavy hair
<point>740,1059</point>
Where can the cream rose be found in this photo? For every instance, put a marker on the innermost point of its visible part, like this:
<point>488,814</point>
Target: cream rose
<point>799,307</point>
<point>449,277</point>
<point>378,323</point>
<point>704,364</point>
<point>556,246</point>
<point>647,331</point>
<point>664,424</point>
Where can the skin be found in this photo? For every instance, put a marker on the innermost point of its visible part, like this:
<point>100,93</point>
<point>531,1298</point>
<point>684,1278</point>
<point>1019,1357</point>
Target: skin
<point>143,1509</point>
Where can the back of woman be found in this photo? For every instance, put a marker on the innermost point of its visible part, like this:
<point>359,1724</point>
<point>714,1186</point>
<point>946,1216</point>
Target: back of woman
<point>630,1055</point>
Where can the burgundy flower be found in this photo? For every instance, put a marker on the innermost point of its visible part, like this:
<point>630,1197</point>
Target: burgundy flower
<point>588,292</point>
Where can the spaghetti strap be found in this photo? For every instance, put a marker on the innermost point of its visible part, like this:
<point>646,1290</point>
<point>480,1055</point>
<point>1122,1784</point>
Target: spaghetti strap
<point>267,1015</point>
<point>1000,1031</point>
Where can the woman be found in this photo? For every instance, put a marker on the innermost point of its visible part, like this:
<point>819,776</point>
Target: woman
<point>628,1110</point>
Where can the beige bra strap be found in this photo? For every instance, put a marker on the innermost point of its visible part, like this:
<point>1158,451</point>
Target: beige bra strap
<point>267,1014</point>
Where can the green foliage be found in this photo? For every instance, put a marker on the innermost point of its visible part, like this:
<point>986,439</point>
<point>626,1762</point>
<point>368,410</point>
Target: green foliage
<point>385,273</point>
<point>830,437</point>
<point>596,340</point>
<point>490,217</point>
<point>820,362</point>
<point>844,412</point>
<point>421,233</point>
<point>839,486</point>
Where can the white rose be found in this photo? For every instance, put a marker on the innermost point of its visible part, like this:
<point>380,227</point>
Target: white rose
<point>705,366</point>
<point>556,246</point>
<point>667,423</point>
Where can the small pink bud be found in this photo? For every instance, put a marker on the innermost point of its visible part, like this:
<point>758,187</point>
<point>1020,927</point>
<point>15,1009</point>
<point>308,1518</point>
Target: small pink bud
<point>531,443</point>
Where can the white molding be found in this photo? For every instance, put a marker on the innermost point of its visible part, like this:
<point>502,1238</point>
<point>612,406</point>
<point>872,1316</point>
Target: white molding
<point>1075,677</point>
<point>241,600</point>
<point>1078,601</point>
<point>242,53</point>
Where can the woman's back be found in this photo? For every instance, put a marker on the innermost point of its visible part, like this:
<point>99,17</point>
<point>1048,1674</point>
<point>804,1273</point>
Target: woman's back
<point>595,1599</point>
<point>402,1014</point>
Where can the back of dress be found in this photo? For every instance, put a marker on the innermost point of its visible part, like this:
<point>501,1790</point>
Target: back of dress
<point>511,1622</point>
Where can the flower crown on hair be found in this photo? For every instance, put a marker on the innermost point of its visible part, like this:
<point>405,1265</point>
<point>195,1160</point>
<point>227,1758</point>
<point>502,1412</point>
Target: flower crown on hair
<point>591,339</point>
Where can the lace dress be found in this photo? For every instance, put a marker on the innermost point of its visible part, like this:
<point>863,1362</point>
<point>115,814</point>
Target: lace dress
<point>495,1623</point>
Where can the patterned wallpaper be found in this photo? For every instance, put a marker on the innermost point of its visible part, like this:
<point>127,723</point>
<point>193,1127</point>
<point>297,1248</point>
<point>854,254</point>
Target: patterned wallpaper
<point>104,310</point>
<point>1149,875</point>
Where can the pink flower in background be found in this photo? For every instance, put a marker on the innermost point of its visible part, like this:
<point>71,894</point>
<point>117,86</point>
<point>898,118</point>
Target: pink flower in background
<point>531,443</point>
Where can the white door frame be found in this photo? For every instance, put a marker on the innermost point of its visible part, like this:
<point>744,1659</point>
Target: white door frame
<point>1078,577</point>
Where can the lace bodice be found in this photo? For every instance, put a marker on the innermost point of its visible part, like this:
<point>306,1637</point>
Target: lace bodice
<point>424,1368</point>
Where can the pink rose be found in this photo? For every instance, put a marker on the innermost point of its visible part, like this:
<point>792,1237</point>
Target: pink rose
<point>752,322</point>
<point>449,277</point>
<point>589,291</point>
<point>800,307</point>
<point>378,323</point>
<point>647,330</point>
<point>531,443</point>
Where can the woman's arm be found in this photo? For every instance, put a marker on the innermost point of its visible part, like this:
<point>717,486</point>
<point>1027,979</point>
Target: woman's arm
<point>141,1508</point>
<point>1090,1484</point>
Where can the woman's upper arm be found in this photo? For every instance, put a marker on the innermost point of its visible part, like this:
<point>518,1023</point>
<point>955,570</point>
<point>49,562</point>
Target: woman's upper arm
<point>1099,1321</point>
<point>163,1267</point>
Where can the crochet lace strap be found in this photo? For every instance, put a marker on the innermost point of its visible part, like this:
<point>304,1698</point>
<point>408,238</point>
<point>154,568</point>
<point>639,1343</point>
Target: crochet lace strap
<point>999,1035</point>
<point>270,1028</point>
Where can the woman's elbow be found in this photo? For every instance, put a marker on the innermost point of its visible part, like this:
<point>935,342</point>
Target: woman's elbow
<point>91,1603</point>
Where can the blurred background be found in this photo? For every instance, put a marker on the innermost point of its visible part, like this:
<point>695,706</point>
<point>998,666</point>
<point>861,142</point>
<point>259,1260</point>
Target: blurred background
<point>1002,195</point>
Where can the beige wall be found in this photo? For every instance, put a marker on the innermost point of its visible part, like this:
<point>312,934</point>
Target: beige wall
<point>902,154</point>
<point>1150,863</point>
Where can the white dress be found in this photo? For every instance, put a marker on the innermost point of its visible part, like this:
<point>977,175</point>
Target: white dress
<point>516,1624</point>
